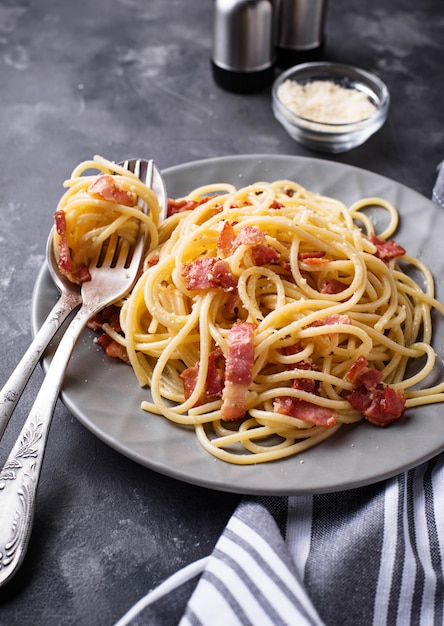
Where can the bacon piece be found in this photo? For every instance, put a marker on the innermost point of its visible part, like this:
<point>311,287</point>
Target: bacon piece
<point>264,254</point>
<point>386,249</point>
<point>223,276</point>
<point>331,320</point>
<point>285,266</point>
<point>306,411</point>
<point>189,380</point>
<point>315,261</point>
<point>333,286</point>
<point>359,373</point>
<point>232,304</point>
<point>305,384</point>
<point>82,273</point>
<point>293,349</point>
<point>234,398</point>
<point>109,315</point>
<point>240,353</point>
<point>313,257</point>
<point>106,187</point>
<point>112,348</point>
<point>381,406</point>
<point>178,206</point>
<point>250,235</point>
<point>208,273</point>
<point>276,205</point>
<point>225,240</point>
<point>356,369</point>
<point>387,407</point>
<point>379,403</point>
<point>214,382</point>
<point>312,254</point>
<point>215,377</point>
<point>76,274</point>
<point>60,222</point>
<point>65,262</point>
<point>199,274</point>
<point>303,409</point>
<point>153,260</point>
<point>370,378</point>
<point>239,370</point>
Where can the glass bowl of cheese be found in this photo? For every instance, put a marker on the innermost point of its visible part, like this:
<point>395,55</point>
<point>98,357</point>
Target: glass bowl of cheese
<point>330,107</point>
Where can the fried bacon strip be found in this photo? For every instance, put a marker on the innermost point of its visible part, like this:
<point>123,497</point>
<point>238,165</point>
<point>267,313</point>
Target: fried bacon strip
<point>379,403</point>
<point>76,274</point>
<point>106,187</point>
<point>214,382</point>
<point>239,369</point>
<point>207,273</point>
<point>262,253</point>
<point>227,378</point>
<point>178,206</point>
<point>303,409</point>
<point>386,250</point>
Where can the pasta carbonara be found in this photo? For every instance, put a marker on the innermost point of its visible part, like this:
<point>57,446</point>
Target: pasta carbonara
<point>269,316</point>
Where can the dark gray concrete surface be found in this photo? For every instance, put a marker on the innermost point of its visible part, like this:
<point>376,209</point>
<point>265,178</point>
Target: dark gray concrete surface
<point>125,78</point>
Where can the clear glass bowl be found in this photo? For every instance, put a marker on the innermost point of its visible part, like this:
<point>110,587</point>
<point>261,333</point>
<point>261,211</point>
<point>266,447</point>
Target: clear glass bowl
<point>332,137</point>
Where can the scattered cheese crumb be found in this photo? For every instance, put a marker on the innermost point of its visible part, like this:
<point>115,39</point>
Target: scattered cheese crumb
<point>325,101</point>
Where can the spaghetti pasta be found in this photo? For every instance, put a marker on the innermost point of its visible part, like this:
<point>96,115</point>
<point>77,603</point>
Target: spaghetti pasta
<point>269,316</point>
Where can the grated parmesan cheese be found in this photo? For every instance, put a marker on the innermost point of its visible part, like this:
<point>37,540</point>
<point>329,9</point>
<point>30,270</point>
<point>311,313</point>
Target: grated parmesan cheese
<point>325,101</point>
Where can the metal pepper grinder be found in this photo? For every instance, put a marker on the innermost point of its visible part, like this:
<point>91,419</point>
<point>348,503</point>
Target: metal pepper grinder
<point>300,31</point>
<point>243,44</point>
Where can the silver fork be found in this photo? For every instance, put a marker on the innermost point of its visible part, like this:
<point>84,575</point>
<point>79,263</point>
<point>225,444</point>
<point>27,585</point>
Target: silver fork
<point>113,273</point>
<point>69,300</point>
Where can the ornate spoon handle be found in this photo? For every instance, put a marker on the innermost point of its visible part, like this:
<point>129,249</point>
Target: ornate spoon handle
<point>20,474</point>
<point>13,388</point>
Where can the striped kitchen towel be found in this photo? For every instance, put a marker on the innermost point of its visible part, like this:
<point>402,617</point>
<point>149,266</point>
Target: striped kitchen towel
<point>367,556</point>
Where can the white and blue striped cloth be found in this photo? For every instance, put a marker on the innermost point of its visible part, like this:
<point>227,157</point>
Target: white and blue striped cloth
<point>372,556</point>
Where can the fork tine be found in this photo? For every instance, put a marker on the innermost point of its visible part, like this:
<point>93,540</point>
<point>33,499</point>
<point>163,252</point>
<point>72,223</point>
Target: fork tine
<point>146,176</point>
<point>111,251</point>
<point>124,253</point>
<point>149,177</point>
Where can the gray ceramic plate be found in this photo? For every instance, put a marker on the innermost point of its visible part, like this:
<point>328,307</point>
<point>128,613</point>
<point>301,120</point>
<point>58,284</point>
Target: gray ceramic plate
<point>105,397</point>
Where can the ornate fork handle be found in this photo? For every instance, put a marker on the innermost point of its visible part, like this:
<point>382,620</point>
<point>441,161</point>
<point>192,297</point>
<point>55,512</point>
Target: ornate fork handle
<point>13,388</point>
<point>20,474</point>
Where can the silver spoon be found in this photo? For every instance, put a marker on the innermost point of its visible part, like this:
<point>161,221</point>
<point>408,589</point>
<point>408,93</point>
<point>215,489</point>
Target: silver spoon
<point>70,299</point>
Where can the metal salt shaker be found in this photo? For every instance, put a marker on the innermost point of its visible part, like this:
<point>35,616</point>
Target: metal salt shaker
<point>300,31</point>
<point>243,44</point>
